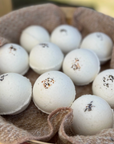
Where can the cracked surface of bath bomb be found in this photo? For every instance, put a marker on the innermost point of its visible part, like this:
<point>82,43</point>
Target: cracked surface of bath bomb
<point>66,37</point>
<point>103,86</point>
<point>81,65</point>
<point>45,57</point>
<point>100,43</point>
<point>33,35</point>
<point>53,90</point>
<point>13,58</point>
<point>91,115</point>
<point>15,93</point>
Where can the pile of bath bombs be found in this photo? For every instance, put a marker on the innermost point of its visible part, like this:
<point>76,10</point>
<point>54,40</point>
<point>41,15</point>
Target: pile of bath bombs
<point>63,60</point>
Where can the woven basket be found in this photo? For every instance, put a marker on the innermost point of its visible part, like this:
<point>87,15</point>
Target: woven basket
<point>32,125</point>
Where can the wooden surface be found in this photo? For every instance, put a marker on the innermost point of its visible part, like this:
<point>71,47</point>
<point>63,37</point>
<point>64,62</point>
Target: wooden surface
<point>68,12</point>
<point>103,6</point>
<point>5,7</point>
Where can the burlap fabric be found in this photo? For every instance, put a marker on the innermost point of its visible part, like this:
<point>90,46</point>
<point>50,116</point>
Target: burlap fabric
<point>11,25</point>
<point>32,124</point>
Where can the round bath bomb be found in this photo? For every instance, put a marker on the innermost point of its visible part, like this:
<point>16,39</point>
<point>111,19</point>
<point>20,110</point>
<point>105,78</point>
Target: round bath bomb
<point>45,57</point>
<point>81,65</point>
<point>53,90</point>
<point>13,58</point>
<point>33,35</point>
<point>66,37</point>
<point>91,115</point>
<point>100,43</point>
<point>15,93</point>
<point>103,86</point>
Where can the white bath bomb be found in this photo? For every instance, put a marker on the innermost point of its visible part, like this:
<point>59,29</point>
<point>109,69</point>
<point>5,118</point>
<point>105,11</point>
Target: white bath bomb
<point>13,58</point>
<point>45,57</point>
<point>33,35</point>
<point>15,93</point>
<point>103,86</point>
<point>91,115</point>
<point>100,43</point>
<point>82,66</point>
<point>53,90</point>
<point>66,37</point>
